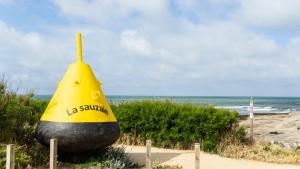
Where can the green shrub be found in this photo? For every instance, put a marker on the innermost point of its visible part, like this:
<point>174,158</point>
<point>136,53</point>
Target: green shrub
<point>110,158</point>
<point>2,156</point>
<point>22,158</point>
<point>19,115</point>
<point>174,125</point>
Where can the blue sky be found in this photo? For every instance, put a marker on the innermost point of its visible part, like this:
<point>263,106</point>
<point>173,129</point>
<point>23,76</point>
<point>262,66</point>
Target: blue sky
<point>157,47</point>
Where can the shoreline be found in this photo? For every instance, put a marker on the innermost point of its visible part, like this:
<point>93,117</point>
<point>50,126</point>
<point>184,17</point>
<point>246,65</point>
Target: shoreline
<point>282,128</point>
<point>245,116</point>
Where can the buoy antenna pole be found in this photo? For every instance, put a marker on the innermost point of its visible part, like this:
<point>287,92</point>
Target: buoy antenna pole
<point>79,48</point>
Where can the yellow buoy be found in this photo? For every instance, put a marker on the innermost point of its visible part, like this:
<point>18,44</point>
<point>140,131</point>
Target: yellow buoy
<point>78,114</point>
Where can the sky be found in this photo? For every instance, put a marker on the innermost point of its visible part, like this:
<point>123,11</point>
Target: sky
<point>157,47</point>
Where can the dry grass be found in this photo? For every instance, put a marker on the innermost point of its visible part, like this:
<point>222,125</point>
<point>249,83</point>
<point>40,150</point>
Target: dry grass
<point>130,139</point>
<point>259,150</point>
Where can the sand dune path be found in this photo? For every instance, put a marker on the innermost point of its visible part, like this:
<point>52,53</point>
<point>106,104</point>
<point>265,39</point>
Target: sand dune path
<point>186,158</point>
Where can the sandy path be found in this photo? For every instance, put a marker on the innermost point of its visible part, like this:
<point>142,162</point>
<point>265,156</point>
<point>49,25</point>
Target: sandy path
<point>185,158</point>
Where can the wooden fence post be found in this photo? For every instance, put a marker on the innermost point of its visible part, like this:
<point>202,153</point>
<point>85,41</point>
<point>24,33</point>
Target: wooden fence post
<point>251,128</point>
<point>53,154</point>
<point>148,155</point>
<point>251,116</point>
<point>10,156</point>
<point>197,155</point>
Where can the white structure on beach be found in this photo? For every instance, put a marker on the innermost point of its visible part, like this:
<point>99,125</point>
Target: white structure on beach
<point>251,114</point>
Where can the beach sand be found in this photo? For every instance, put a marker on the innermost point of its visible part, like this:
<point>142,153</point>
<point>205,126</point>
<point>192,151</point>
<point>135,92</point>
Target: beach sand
<point>281,129</point>
<point>186,159</point>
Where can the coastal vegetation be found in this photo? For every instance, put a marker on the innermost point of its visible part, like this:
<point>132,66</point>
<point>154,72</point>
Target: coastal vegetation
<point>233,147</point>
<point>19,115</point>
<point>167,124</point>
<point>173,125</point>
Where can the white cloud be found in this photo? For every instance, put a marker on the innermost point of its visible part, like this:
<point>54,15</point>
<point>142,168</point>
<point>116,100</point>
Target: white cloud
<point>269,13</point>
<point>215,51</point>
<point>30,57</point>
<point>155,53</point>
<point>103,11</point>
<point>133,42</point>
<point>192,4</point>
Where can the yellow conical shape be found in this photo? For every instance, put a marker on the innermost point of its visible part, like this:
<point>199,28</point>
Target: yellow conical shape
<point>78,114</point>
<point>79,97</point>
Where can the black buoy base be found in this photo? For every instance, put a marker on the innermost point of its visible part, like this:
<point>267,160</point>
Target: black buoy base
<point>78,137</point>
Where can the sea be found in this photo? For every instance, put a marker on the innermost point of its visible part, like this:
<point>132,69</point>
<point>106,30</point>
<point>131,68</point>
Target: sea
<point>262,105</point>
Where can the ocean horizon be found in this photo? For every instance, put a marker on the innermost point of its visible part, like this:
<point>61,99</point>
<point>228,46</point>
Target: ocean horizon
<point>262,104</point>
